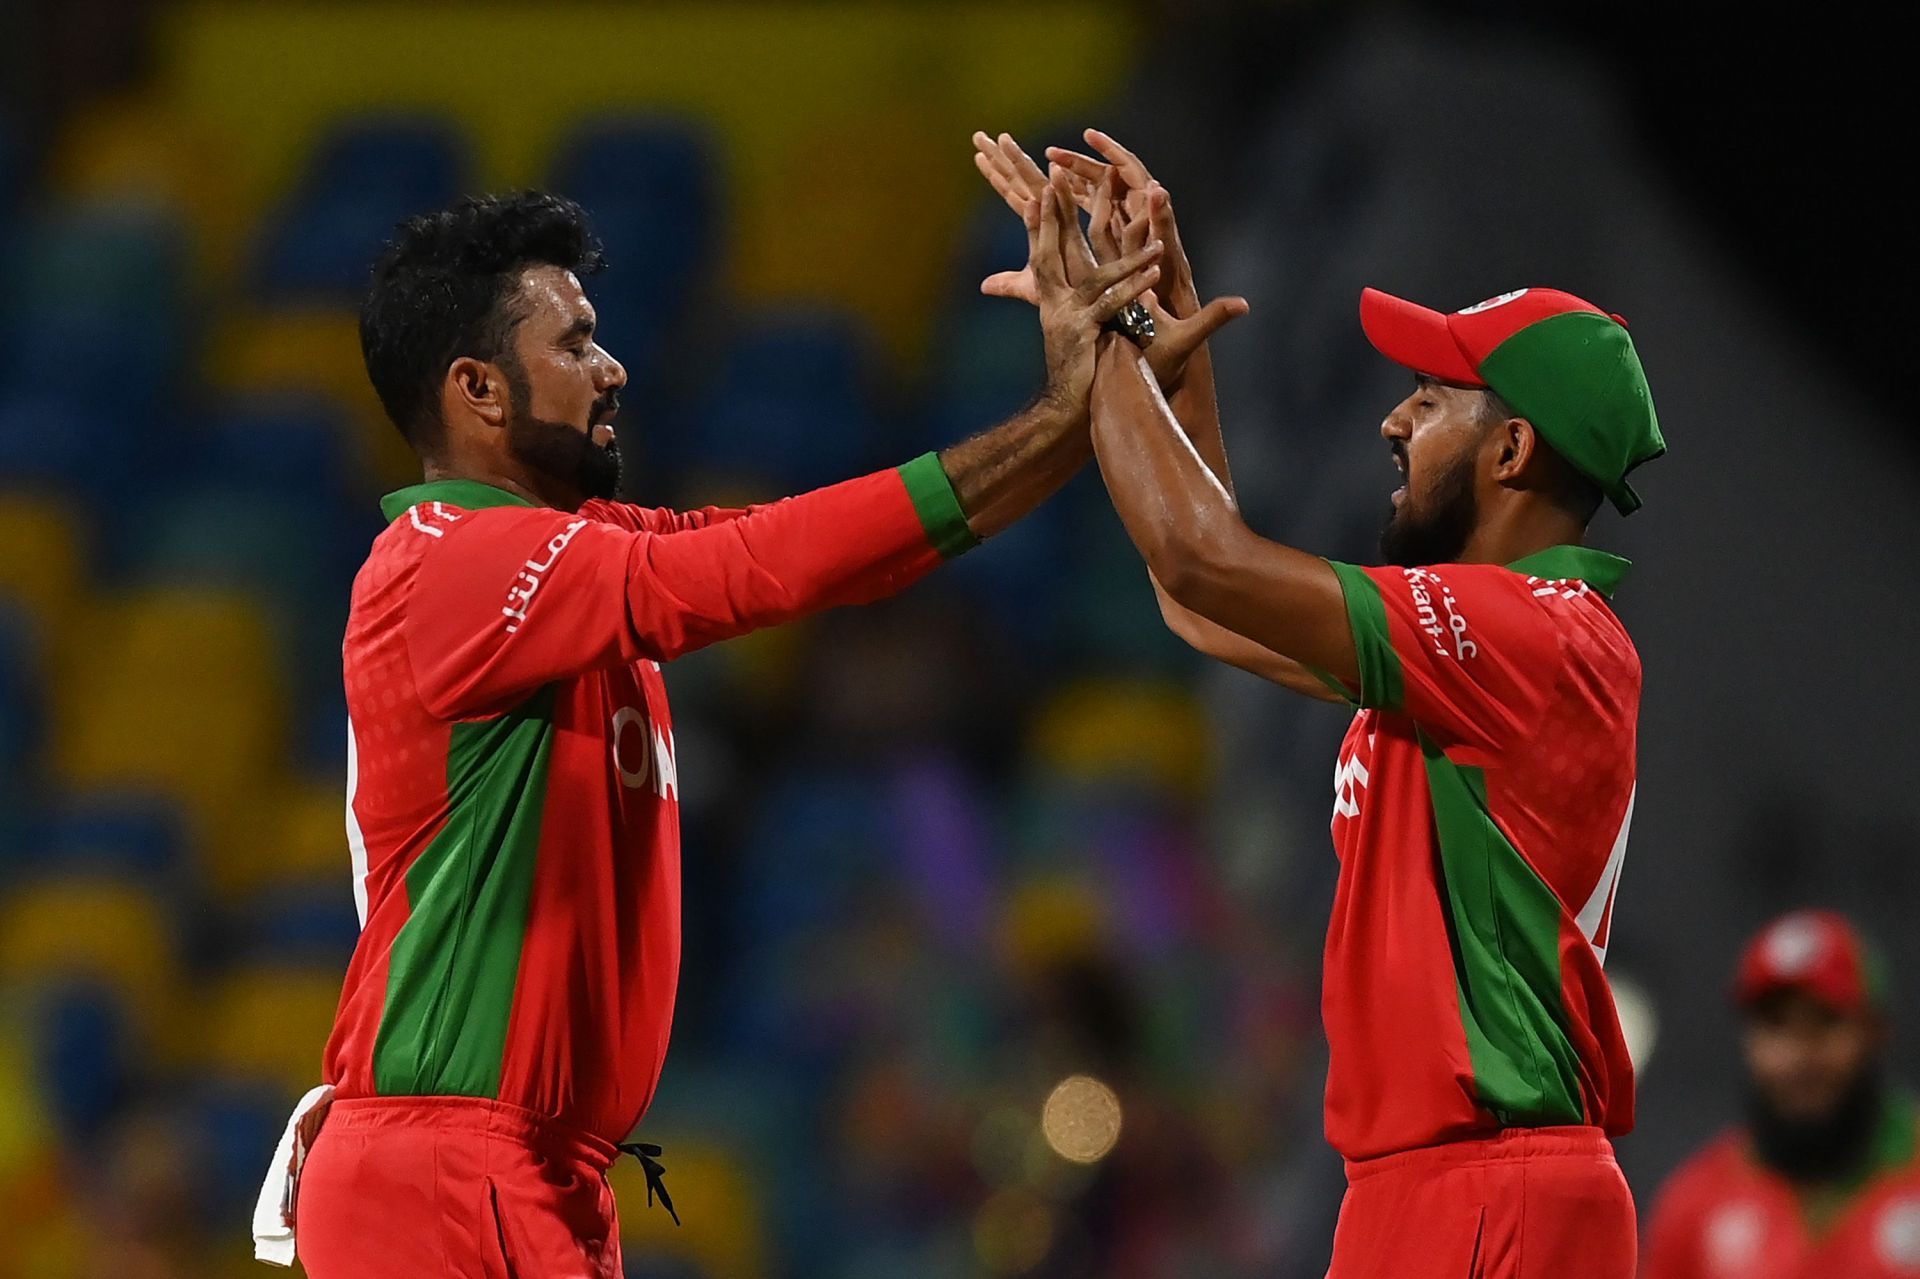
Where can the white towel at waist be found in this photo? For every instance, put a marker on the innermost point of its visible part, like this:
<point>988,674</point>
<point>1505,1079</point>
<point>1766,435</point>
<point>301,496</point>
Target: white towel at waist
<point>273,1211</point>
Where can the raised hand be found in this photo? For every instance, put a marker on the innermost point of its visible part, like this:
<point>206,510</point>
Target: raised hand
<point>1073,311</point>
<point>1125,217</point>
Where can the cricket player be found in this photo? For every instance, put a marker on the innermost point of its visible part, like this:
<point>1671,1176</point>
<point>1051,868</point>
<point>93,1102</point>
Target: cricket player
<point>1823,1180</point>
<point>512,786</point>
<point>1484,790</point>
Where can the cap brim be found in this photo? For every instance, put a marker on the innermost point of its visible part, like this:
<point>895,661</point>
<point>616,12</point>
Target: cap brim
<point>1414,337</point>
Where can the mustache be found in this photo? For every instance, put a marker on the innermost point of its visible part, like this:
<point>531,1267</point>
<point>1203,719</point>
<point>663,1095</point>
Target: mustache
<point>605,407</point>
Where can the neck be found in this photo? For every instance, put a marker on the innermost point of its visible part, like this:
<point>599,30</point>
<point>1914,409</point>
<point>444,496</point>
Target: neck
<point>1513,530</point>
<point>515,482</point>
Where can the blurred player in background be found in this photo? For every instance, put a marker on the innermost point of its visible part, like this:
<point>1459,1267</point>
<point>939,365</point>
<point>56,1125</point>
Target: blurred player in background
<point>512,787</point>
<point>1823,1180</point>
<point>1484,790</point>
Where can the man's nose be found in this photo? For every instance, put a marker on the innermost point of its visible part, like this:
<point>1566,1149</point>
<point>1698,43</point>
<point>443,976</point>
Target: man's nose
<point>1397,425</point>
<point>612,375</point>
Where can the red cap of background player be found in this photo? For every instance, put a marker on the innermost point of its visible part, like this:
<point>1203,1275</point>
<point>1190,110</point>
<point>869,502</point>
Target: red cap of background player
<point>1816,951</point>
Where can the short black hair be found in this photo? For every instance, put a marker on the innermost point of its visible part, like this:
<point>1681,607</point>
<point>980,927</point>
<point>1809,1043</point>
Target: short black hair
<point>443,289</point>
<point>1567,487</point>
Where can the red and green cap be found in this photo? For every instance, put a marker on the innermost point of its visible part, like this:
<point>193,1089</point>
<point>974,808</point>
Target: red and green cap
<point>1819,952</point>
<point>1561,362</point>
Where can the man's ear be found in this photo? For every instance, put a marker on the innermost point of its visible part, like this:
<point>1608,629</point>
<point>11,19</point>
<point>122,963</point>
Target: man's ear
<point>478,388</point>
<point>1516,445</point>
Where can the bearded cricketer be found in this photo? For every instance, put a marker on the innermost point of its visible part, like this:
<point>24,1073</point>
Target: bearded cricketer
<point>512,804</point>
<point>1823,1179</point>
<point>1483,793</point>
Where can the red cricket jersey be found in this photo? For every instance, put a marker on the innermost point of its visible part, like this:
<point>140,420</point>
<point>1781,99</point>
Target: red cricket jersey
<point>1481,806</point>
<point>1724,1215</point>
<point>512,790</point>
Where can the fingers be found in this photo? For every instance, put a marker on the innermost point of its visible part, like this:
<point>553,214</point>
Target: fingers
<point>1101,220</point>
<point>1084,167</point>
<point>1018,285</point>
<point>1117,295</point>
<point>1020,164</point>
<point>1075,253</point>
<point>1215,316</point>
<point>1113,272</point>
<point>1132,172</point>
<point>1044,240</point>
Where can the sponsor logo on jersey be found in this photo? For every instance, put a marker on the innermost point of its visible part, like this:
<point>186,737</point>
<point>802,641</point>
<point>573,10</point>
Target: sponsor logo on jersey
<point>1431,595</point>
<point>649,762</point>
<point>532,573</point>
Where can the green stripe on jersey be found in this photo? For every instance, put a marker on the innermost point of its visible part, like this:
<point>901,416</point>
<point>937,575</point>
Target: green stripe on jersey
<point>938,507</point>
<point>1505,930</point>
<point>1381,682</point>
<point>453,966</point>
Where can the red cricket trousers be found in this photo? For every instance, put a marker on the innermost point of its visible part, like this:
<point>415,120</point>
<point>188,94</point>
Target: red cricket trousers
<point>1526,1203</point>
<point>423,1187</point>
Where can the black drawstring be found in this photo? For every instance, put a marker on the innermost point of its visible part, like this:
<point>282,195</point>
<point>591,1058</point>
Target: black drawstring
<point>649,1156</point>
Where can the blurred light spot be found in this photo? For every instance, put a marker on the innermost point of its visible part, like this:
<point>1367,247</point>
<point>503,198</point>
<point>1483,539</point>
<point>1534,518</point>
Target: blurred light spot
<point>1012,1233</point>
<point>1639,1023</point>
<point>1081,1119</point>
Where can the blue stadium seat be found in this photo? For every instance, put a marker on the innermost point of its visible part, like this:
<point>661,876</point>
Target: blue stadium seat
<point>791,404</point>
<point>83,1055</point>
<point>232,1126</point>
<point>47,441</point>
<point>22,693</point>
<point>293,445</point>
<point>651,187</point>
<point>304,922</point>
<point>130,832</point>
<point>365,176</point>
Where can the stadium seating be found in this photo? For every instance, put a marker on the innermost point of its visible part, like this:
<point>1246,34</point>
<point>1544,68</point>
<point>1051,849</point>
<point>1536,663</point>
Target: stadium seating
<point>95,928</point>
<point>177,690</point>
<point>791,404</point>
<point>121,831</point>
<point>45,568</point>
<point>21,713</point>
<point>267,1025</point>
<point>365,176</point>
<point>649,185</point>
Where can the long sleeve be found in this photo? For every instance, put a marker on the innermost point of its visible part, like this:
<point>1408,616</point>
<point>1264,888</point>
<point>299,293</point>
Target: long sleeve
<point>510,598</point>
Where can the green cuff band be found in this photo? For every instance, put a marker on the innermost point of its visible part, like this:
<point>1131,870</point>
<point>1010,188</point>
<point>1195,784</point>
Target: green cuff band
<point>938,507</point>
<point>1381,683</point>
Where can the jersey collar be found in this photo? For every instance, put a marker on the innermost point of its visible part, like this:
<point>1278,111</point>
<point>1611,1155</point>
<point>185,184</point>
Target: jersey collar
<point>468,495</point>
<point>1597,569</point>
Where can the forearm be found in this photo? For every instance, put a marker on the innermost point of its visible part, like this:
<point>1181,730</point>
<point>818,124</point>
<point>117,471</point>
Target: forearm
<point>1196,407</point>
<point>1002,474</point>
<point>1187,527</point>
<point>1236,650</point>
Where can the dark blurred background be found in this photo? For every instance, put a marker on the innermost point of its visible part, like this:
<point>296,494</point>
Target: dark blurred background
<point>979,874</point>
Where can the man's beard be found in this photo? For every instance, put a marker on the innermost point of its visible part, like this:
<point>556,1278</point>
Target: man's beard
<point>559,451</point>
<point>1833,1147</point>
<point>1440,536</point>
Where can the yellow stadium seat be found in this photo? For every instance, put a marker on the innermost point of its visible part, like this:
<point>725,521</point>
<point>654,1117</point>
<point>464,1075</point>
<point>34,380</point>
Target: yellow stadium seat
<point>109,931</point>
<point>45,565</point>
<point>268,1024</point>
<point>140,149</point>
<point>292,830</point>
<point>1126,731</point>
<point>723,1232</point>
<point>176,690</point>
<point>314,351</point>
